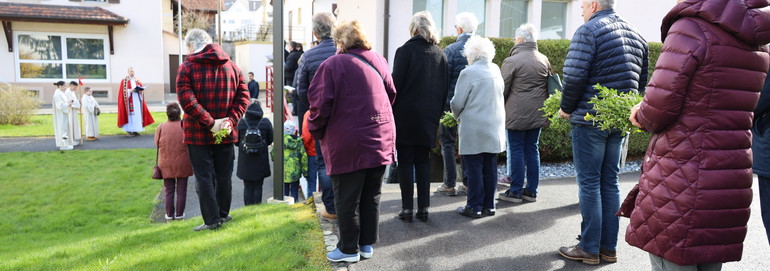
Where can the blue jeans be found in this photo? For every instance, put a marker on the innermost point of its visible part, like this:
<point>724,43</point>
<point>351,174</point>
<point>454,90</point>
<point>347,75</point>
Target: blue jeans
<point>764,203</point>
<point>292,187</point>
<point>312,175</point>
<point>597,157</point>
<point>481,172</point>
<point>324,180</point>
<point>448,138</point>
<point>523,153</point>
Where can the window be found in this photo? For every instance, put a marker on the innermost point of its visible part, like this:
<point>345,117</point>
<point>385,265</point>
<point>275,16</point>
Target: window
<point>478,8</point>
<point>100,94</point>
<point>553,22</point>
<point>436,9</point>
<point>513,13</point>
<point>56,56</point>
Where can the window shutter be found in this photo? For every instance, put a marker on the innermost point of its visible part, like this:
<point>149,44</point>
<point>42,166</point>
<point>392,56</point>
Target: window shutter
<point>113,1</point>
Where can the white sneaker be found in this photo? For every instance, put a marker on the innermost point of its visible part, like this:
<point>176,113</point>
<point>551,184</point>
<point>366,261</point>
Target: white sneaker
<point>179,217</point>
<point>169,217</point>
<point>68,148</point>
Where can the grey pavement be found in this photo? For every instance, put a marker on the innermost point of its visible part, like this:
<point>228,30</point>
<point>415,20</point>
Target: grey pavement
<point>520,237</point>
<point>38,144</point>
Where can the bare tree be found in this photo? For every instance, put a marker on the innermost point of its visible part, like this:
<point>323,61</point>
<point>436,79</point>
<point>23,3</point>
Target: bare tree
<point>193,19</point>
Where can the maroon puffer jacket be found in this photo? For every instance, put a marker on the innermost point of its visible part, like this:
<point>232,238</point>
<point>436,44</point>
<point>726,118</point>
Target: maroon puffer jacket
<point>695,187</point>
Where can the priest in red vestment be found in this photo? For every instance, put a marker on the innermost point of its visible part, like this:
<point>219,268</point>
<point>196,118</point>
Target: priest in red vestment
<point>133,114</point>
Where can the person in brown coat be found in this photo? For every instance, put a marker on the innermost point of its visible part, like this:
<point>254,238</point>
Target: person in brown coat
<point>525,74</point>
<point>174,162</point>
<point>695,192</point>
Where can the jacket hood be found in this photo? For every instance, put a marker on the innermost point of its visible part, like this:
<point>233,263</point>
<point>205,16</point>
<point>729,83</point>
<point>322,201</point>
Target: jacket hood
<point>254,112</point>
<point>292,142</point>
<point>747,20</point>
<point>211,54</point>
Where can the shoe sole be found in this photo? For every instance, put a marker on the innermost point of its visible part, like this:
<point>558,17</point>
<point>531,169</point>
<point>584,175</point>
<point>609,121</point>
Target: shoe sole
<point>366,255</point>
<point>446,193</point>
<point>347,260</point>
<point>514,200</point>
<point>585,260</point>
<point>609,259</point>
<point>530,199</point>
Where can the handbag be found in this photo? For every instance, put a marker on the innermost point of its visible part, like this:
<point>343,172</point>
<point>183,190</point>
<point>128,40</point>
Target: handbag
<point>156,174</point>
<point>554,83</point>
<point>629,203</point>
<point>97,112</point>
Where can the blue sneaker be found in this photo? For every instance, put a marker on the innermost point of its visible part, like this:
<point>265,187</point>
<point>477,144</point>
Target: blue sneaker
<point>366,251</point>
<point>337,256</point>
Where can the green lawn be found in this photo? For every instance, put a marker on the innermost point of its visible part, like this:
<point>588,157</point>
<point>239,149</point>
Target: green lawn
<point>42,125</point>
<point>89,210</point>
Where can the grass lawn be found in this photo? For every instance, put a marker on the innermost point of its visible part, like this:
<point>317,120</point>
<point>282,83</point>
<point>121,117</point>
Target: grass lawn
<point>82,212</point>
<point>42,125</point>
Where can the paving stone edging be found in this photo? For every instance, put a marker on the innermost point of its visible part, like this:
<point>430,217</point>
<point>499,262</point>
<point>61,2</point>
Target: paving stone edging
<point>330,231</point>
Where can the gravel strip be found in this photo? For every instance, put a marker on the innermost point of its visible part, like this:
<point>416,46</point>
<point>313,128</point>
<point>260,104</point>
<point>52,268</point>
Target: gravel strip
<point>563,170</point>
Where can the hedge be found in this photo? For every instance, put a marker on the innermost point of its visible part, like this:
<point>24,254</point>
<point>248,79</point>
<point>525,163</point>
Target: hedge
<point>556,146</point>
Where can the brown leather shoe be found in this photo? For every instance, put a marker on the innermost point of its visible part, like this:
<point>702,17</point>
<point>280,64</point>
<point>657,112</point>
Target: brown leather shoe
<point>576,253</point>
<point>328,216</point>
<point>607,255</point>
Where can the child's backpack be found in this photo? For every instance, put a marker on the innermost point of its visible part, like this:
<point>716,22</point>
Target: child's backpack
<point>252,142</point>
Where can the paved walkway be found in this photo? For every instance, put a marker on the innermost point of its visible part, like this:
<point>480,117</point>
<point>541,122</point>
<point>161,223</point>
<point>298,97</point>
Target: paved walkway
<point>520,237</point>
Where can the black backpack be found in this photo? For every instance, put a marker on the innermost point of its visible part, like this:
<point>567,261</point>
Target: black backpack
<point>252,141</point>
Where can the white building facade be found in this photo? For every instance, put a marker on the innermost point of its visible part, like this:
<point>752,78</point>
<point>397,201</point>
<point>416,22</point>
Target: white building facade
<point>556,19</point>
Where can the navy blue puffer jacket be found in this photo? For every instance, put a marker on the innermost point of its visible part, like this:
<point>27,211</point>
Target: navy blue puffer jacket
<point>308,65</point>
<point>456,62</point>
<point>606,50</point>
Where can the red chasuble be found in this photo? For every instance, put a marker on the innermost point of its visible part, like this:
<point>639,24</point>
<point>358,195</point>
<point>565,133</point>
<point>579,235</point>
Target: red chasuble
<point>126,104</point>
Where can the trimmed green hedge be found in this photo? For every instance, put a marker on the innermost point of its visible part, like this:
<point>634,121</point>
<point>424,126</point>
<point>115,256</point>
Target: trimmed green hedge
<point>557,146</point>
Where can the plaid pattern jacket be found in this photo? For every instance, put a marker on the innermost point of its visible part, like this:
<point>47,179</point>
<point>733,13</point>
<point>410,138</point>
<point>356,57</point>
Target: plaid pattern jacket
<point>209,87</point>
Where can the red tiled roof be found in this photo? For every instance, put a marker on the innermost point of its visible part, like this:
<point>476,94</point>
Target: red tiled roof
<point>204,5</point>
<point>59,14</point>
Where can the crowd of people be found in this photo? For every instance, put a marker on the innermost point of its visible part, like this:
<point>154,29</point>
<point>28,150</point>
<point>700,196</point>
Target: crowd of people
<point>689,210</point>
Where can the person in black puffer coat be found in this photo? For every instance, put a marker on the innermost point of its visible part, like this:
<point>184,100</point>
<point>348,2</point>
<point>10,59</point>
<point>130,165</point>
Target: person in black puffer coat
<point>253,169</point>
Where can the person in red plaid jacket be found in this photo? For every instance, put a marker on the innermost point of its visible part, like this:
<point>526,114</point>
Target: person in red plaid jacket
<point>214,96</point>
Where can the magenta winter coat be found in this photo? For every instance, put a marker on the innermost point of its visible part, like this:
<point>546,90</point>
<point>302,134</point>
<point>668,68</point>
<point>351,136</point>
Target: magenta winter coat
<point>695,187</point>
<point>350,112</point>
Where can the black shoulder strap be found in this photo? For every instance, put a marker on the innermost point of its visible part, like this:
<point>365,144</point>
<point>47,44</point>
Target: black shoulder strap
<point>368,64</point>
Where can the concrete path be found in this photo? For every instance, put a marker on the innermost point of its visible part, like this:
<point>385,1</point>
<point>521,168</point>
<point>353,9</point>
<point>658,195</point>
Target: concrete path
<point>520,237</point>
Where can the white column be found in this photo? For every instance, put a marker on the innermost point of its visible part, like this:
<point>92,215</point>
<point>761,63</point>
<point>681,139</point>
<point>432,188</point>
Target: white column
<point>535,13</point>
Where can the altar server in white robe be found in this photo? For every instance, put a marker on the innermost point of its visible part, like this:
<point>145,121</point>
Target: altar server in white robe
<point>61,109</point>
<point>74,115</point>
<point>90,119</point>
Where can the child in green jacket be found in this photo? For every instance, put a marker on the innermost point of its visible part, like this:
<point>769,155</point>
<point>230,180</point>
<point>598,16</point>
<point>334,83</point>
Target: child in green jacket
<point>294,159</point>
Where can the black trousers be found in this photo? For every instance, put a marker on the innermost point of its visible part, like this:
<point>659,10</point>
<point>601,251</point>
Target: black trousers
<point>413,161</point>
<point>357,199</point>
<point>213,168</point>
<point>252,191</point>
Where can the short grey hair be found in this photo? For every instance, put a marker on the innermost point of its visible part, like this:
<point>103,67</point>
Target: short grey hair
<point>197,38</point>
<point>467,22</point>
<point>422,24</point>
<point>323,24</point>
<point>605,4</point>
<point>526,32</point>
<point>478,48</point>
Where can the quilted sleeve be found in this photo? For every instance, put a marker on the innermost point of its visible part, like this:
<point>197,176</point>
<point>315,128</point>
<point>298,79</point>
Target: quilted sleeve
<point>577,68</point>
<point>683,51</point>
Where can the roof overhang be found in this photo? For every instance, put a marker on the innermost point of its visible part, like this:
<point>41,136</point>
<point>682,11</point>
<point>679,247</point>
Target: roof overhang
<point>57,14</point>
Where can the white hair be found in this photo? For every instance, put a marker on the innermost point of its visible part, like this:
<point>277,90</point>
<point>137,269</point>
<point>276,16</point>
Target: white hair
<point>605,4</point>
<point>467,22</point>
<point>197,38</point>
<point>526,32</point>
<point>479,48</point>
<point>323,24</point>
<point>422,24</point>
